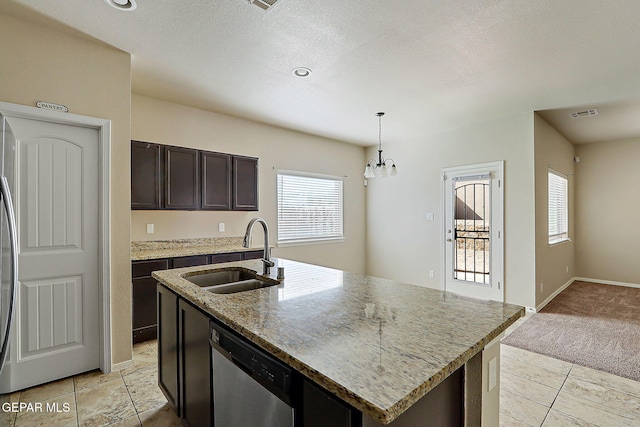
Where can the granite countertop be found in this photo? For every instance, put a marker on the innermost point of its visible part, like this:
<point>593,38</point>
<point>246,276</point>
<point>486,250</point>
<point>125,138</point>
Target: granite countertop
<point>156,249</point>
<point>377,344</point>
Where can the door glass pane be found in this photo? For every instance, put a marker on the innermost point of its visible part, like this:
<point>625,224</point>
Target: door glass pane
<point>472,218</point>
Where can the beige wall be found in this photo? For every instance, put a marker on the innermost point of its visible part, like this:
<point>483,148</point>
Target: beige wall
<point>555,264</point>
<point>403,245</point>
<point>277,148</point>
<point>92,79</point>
<point>608,206</point>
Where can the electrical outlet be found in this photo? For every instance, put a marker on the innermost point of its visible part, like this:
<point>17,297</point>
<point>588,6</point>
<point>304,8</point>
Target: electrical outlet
<point>431,273</point>
<point>150,229</point>
<point>541,287</point>
<point>221,227</point>
<point>429,216</point>
<point>567,268</point>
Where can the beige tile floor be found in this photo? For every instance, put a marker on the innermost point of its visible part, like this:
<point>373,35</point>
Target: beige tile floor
<point>536,390</point>
<point>127,398</point>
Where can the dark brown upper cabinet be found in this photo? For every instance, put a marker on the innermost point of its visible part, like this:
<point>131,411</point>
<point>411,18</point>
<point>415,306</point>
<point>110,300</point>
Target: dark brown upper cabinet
<point>245,183</point>
<point>178,178</point>
<point>181,178</point>
<point>146,191</point>
<point>216,181</point>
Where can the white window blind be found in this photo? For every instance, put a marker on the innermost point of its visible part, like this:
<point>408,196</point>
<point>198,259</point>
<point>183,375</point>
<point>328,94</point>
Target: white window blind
<point>309,207</point>
<point>558,207</point>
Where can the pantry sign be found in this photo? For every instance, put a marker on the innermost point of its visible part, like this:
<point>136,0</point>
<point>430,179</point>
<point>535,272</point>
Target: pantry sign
<point>51,106</point>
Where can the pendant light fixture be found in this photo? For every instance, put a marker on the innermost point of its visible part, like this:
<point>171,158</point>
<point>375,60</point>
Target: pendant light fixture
<point>382,167</point>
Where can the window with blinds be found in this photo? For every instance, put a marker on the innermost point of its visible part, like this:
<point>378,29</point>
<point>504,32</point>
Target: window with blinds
<point>310,207</point>
<point>558,207</point>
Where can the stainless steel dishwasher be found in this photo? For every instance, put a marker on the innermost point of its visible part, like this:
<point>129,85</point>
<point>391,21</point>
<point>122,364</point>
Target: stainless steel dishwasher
<point>250,387</point>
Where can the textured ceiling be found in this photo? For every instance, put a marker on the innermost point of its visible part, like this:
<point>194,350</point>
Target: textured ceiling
<point>430,65</point>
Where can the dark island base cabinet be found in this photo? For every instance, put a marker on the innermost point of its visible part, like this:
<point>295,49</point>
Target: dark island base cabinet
<point>321,409</point>
<point>144,286</point>
<point>184,358</point>
<point>194,366</point>
<point>168,374</point>
<point>185,377</point>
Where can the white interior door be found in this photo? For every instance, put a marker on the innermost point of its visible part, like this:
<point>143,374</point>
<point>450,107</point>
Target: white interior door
<point>57,322</point>
<point>473,197</point>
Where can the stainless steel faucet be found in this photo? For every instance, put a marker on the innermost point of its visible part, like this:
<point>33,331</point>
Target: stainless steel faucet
<point>266,256</point>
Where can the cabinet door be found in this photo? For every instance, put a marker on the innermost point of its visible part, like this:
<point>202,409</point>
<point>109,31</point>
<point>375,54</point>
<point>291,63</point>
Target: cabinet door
<point>181,178</point>
<point>321,409</point>
<point>144,306</point>
<point>252,254</point>
<point>216,181</point>
<point>219,258</point>
<point>195,366</point>
<point>245,183</point>
<point>189,261</point>
<point>168,345</point>
<point>145,176</point>
<point>144,301</point>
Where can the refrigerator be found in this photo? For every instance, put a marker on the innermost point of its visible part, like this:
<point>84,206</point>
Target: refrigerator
<point>8,244</point>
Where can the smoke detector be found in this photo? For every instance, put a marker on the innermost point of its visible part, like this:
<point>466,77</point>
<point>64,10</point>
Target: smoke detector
<point>585,113</point>
<point>265,4</point>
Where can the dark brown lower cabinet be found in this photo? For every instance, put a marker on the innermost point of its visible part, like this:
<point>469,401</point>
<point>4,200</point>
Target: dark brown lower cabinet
<point>321,409</point>
<point>252,255</point>
<point>144,286</point>
<point>168,345</point>
<point>190,261</point>
<point>218,258</point>
<point>194,366</point>
<point>144,298</point>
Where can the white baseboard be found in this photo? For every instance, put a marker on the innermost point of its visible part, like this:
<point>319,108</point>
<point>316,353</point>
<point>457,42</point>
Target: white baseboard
<point>608,282</point>
<point>121,365</point>
<point>555,294</point>
<point>584,279</point>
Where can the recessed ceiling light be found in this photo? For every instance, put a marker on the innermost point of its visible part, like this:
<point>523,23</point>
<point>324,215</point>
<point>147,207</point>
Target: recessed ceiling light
<point>301,72</point>
<point>127,5</point>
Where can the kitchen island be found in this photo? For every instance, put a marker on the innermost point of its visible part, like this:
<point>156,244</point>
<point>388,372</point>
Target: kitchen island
<point>377,345</point>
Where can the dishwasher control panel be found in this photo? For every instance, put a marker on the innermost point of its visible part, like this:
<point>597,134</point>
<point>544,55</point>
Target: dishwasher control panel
<point>251,359</point>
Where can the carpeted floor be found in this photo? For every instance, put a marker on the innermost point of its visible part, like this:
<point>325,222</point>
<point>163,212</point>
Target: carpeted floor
<point>589,324</point>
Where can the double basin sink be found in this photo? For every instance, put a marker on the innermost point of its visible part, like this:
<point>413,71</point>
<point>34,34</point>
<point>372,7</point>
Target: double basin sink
<point>230,281</point>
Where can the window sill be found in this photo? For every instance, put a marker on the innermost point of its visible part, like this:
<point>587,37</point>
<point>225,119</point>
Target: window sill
<point>559,241</point>
<point>310,242</point>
